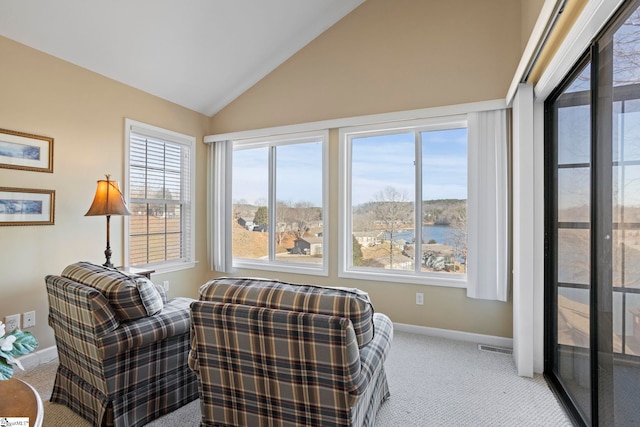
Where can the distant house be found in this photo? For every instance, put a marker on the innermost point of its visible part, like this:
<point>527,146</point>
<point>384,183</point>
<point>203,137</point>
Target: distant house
<point>369,238</point>
<point>261,228</point>
<point>246,224</point>
<point>308,246</point>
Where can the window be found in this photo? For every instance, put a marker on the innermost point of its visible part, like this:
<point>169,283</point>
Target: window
<point>405,201</point>
<point>160,193</point>
<point>278,202</point>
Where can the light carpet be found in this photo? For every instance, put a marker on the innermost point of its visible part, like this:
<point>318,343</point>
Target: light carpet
<point>433,381</point>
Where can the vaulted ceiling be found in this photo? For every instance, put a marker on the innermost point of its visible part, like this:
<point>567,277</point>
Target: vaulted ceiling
<point>201,54</point>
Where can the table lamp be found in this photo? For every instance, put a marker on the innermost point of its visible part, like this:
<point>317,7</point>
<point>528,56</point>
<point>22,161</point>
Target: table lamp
<point>108,201</point>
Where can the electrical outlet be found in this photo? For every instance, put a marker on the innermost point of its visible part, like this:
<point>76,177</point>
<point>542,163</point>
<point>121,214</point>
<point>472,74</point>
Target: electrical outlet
<point>12,322</point>
<point>165,285</point>
<point>419,298</point>
<point>28,319</point>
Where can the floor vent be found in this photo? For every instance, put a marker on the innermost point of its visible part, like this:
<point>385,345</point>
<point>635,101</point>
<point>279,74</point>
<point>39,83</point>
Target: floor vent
<point>494,349</point>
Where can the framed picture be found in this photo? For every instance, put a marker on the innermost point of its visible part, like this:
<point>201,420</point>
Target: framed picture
<point>25,151</point>
<point>26,206</point>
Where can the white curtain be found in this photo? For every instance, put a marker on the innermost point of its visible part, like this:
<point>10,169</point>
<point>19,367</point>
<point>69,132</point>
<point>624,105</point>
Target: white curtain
<point>218,201</point>
<point>488,216</point>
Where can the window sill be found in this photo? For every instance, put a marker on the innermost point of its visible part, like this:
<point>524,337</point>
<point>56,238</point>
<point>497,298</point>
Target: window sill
<point>167,267</point>
<point>434,279</point>
<point>312,269</point>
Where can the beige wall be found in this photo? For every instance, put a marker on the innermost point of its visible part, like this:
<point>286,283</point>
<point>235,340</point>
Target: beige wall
<point>84,113</point>
<point>391,56</point>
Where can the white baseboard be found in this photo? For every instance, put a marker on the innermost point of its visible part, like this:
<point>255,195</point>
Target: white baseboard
<point>455,335</point>
<point>40,357</point>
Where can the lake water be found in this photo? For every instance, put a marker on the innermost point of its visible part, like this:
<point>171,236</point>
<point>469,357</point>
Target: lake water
<point>440,233</point>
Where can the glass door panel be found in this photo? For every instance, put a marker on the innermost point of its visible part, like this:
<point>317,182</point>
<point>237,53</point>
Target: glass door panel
<point>572,243</point>
<point>625,197</point>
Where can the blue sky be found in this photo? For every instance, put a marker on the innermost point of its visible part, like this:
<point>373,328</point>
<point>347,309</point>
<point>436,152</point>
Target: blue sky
<point>388,160</point>
<point>378,162</point>
<point>298,176</point>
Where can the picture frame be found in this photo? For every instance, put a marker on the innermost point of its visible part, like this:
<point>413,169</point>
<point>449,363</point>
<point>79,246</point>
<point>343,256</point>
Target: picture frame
<point>26,206</point>
<point>25,151</point>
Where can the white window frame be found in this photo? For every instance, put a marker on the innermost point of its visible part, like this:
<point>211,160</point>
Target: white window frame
<point>189,242</point>
<point>346,134</point>
<point>273,141</point>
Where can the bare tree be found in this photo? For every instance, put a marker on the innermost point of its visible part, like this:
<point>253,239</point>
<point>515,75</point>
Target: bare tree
<point>392,209</point>
<point>282,210</point>
<point>626,56</point>
<point>302,214</point>
<point>295,218</point>
<point>458,237</point>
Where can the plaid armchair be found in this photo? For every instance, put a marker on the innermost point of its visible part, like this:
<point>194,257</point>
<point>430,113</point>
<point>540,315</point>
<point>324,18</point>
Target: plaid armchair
<point>278,354</point>
<point>122,346</point>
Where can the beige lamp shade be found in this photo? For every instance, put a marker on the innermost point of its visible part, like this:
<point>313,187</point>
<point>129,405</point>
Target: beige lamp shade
<point>108,200</point>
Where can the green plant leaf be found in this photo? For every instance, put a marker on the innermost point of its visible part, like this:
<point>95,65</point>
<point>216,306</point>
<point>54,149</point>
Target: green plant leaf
<point>25,343</point>
<point>6,370</point>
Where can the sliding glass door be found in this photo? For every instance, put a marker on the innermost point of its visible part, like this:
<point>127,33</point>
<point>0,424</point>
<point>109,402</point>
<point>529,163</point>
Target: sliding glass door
<point>592,295</point>
<point>569,230</point>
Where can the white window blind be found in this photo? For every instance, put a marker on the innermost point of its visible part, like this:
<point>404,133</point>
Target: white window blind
<point>160,195</point>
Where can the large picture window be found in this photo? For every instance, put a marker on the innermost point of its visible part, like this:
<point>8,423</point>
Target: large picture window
<point>405,200</point>
<point>422,198</point>
<point>159,190</point>
<point>278,202</point>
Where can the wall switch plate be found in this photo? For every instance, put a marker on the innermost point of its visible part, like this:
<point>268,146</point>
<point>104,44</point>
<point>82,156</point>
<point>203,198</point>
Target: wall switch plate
<point>12,322</point>
<point>419,298</point>
<point>29,319</point>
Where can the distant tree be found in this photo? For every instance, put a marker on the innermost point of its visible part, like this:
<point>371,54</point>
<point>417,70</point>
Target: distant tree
<point>262,216</point>
<point>432,242</point>
<point>357,252</point>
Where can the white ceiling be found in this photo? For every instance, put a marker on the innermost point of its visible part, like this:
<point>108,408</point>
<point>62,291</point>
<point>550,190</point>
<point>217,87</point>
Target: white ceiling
<point>201,54</point>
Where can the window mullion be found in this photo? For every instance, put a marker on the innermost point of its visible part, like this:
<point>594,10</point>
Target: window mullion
<point>272,203</point>
<point>417,253</point>
<point>146,195</point>
<point>347,211</point>
<point>164,200</point>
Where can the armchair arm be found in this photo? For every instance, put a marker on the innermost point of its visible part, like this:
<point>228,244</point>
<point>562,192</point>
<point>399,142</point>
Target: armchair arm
<point>73,306</point>
<point>374,354</point>
<point>171,321</point>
